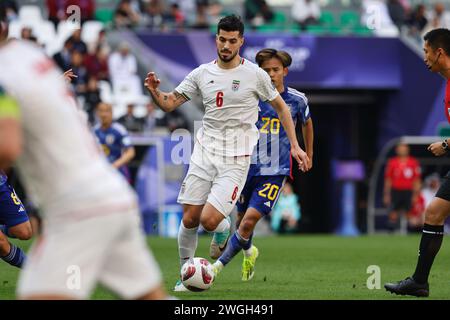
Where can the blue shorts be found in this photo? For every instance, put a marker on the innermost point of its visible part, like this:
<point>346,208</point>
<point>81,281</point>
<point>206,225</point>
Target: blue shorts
<point>12,211</point>
<point>261,193</point>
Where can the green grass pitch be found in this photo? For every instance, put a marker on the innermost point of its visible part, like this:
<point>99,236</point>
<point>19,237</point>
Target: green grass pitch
<point>295,267</point>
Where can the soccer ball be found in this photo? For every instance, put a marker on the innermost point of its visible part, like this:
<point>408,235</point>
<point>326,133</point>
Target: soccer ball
<point>197,274</point>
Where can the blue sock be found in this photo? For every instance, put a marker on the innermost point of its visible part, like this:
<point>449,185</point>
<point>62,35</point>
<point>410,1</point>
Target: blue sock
<point>235,245</point>
<point>16,257</point>
<point>248,244</point>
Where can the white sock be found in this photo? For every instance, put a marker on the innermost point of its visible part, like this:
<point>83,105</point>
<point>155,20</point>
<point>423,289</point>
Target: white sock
<point>218,265</point>
<point>248,252</point>
<point>223,226</point>
<point>187,243</point>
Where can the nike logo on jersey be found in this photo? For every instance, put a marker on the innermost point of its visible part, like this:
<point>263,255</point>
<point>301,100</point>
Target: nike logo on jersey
<point>267,203</point>
<point>212,81</point>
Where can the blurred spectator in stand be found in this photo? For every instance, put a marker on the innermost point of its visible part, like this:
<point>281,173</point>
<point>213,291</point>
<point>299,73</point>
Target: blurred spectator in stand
<point>80,82</point>
<point>56,11</point>
<point>186,9</point>
<point>125,16</point>
<point>417,22</point>
<point>174,120</point>
<point>87,9</point>
<point>406,5</point>
<point>214,11</point>
<point>150,121</point>
<point>208,12</point>
<point>201,19</point>
<point>123,71</point>
<point>130,121</point>
<point>306,12</point>
<point>78,44</point>
<point>97,64</point>
<point>257,12</point>
<point>175,18</point>
<point>401,184</point>
<point>10,9</point>
<point>64,58</point>
<point>154,15</point>
<point>286,214</point>
<point>102,42</point>
<point>91,98</point>
<point>397,13</point>
<point>114,139</point>
<point>439,18</point>
<point>26,33</point>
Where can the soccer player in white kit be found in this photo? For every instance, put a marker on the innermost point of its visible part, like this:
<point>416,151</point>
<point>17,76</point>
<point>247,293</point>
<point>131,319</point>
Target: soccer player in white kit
<point>230,88</point>
<point>91,223</point>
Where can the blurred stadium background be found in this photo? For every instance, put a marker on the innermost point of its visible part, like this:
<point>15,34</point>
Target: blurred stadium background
<point>359,62</point>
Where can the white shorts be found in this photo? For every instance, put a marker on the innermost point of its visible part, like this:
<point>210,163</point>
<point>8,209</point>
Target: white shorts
<point>215,179</point>
<point>71,259</point>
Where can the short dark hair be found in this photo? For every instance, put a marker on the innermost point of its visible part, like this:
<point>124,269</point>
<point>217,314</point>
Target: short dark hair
<point>269,53</point>
<point>231,23</point>
<point>439,38</point>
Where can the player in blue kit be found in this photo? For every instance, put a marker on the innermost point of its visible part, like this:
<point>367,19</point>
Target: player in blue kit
<point>271,163</point>
<point>14,223</point>
<point>114,140</point>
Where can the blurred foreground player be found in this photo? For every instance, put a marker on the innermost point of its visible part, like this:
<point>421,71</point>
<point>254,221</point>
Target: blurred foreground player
<point>437,59</point>
<point>78,192</point>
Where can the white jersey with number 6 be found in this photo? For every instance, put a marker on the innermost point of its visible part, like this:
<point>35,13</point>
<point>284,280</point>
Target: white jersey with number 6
<point>230,98</point>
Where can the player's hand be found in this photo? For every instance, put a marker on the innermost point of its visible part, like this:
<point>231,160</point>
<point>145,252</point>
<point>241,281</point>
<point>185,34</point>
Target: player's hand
<point>301,157</point>
<point>310,163</point>
<point>69,75</point>
<point>151,82</point>
<point>436,149</point>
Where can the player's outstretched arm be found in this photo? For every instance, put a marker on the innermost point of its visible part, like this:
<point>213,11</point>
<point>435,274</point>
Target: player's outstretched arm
<point>125,158</point>
<point>286,120</point>
<point>308,137</point>
<point>165,100</point>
